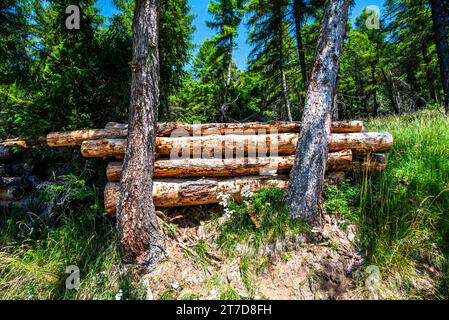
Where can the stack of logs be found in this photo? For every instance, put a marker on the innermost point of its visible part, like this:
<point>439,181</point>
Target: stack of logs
<point>205,174</point>
<point>17,179</point>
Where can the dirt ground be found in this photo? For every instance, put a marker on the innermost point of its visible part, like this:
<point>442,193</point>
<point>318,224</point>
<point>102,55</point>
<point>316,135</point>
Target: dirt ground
<point>322,265</point>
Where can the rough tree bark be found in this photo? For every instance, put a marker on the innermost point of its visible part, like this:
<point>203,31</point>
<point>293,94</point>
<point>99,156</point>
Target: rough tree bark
<point>137,224</point>
<point>307,175</point>
<point>439,26</point>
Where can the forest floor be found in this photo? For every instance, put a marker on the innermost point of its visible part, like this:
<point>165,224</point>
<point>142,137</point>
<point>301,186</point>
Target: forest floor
<point>316,265</point>
<point>386,236</point>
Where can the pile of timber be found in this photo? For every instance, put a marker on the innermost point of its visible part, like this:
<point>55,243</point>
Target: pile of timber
<point>195,164</point>
<point>17,178</point>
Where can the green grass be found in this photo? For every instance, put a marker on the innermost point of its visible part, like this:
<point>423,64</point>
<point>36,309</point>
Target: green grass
<point>34,254</point>
<point>267,207</point>
<point>403,213</point>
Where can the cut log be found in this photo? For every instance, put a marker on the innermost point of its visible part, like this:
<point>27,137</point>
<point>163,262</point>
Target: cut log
<point>12,181</point>
<point>116,130</point>
<point>75,138</point>
<point>15,142</point>
<point>181,168</point>
<point>375,162</point>
<point>9,193</point>
<point>240,145</point>
<point>176,192</point>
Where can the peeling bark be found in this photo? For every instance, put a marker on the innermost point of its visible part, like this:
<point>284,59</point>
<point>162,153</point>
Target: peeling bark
<point>137,225</point>
<point>218,146</point>
<point>176,193</point>
<point>306,178</point>
<point>184,168</point>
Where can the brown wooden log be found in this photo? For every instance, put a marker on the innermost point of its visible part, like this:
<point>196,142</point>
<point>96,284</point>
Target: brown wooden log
<point>75,138</point>
<point>337,161</point>
<point>189,192</point>
<point>375,162</point>
<point>176,192</point>
<point>15,142</point>
<point>240,145</point>
<point>116,130</point>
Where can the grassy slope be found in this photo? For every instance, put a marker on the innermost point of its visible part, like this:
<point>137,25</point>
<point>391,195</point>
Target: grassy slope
<point>402,216</point>
<point>403,213</point>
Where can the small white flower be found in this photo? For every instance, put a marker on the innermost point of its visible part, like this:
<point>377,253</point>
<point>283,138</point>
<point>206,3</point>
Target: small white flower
<point>246,193</point>
<point>119,295</point>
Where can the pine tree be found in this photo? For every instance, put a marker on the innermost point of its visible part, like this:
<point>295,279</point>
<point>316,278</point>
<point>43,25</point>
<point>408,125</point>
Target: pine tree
<point>227,16</point>
<point>272,43</point>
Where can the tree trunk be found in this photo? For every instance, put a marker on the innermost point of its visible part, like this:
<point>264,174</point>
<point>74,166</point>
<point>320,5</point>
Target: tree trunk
<point>439,26</point>
<point>390,90</point>
<point>219,146</point>
<point>429,75</point>
<point>285,94</point>
<point>137,224</point>
<point>185,168</point>
<point>306,178</point>
<point>373,83</point>
<point>230,54</point>
<point>298,14</point>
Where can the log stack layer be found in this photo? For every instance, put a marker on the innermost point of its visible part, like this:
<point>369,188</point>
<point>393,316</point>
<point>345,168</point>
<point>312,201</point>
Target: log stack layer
<point>195,164</point>
<point>17,177</point>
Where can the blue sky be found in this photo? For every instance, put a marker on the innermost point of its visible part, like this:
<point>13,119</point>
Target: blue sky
<point>199,8</point>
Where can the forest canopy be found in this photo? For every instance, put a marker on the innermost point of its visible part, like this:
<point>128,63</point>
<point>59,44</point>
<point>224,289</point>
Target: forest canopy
<point>53,78</point>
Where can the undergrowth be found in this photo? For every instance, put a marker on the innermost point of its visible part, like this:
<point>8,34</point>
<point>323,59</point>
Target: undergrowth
<point>64,228</point>
<point>259,221</point>
<point>403,213</point>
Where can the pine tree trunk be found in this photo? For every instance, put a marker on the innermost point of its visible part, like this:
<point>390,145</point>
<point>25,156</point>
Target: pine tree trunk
<point>306,178</point>
<point>373,83</point>
<point>439,25</point>
<point>285,94</point>
<point>297,12</point>
<point>230,54</point>
<point>137,224</point>
<point>429,76</point>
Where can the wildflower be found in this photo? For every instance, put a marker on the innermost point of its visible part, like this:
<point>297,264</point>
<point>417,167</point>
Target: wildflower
<point>246,193</point>
<point>119,295</point>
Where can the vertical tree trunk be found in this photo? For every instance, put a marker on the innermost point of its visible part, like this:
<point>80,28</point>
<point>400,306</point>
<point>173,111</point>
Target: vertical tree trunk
<point>306,178</point>
<point>136,219</point>
<point>230,53</point>
<point>429,75</point>
<point>373,83</point>
<point>285,94</point>
<point>390,89</point>
<point>297,12</point>
<point>439,26</point>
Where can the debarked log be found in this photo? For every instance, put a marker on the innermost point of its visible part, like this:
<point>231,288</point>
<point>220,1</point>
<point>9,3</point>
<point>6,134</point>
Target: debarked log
<point>228,146</point>
<point>178,192</point>
<point>374,162</point>
<point>181,168</point>
<point>116,130</point>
